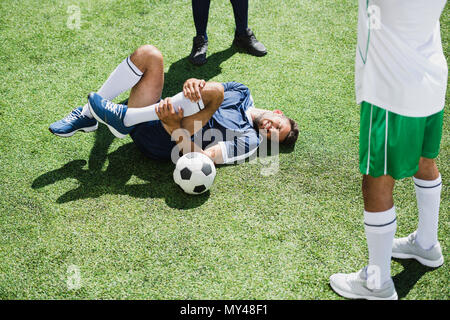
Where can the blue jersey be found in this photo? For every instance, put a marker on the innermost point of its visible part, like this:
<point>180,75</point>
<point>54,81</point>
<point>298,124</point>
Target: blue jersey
<point>230,126</point>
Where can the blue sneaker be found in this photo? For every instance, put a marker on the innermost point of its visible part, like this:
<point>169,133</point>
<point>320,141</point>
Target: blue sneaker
<point>109,113</point>
<point>72,123</point>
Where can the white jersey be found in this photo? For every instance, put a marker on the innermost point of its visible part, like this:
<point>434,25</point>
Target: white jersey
<point>400,65</point>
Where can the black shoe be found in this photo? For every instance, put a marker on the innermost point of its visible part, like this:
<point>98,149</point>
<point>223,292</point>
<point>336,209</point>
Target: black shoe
<point>198,53</point>
<point>249,42</point>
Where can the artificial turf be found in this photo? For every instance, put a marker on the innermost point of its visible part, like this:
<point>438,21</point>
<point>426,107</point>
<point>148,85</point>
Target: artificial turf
<point>94,203</point>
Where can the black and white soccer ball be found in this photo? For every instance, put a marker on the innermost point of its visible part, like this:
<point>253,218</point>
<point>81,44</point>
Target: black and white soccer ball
<point>194,173</point>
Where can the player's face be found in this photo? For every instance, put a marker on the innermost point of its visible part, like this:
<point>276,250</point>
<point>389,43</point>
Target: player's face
<point>273,125</point>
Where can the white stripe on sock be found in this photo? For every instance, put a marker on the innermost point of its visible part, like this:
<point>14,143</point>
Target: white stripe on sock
<point>133,67</point>
<point>379,218</point>
<point>123,78</point>
<point>427,184</point>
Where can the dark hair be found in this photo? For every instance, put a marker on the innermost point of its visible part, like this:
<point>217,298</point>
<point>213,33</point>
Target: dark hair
<point>292,136</point>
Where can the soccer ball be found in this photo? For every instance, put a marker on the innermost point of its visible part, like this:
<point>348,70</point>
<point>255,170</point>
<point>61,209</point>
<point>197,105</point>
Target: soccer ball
<point>194,173</point>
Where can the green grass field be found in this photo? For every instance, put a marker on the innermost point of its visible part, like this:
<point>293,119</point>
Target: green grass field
<point>95,203</point>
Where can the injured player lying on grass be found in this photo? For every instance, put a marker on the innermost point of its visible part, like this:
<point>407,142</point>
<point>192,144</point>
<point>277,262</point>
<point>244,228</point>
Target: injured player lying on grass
<point>217,119</point>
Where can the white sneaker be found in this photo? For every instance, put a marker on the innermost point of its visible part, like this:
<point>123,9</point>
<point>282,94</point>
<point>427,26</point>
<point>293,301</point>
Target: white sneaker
<point>354,286</point>
<point>409,248</point>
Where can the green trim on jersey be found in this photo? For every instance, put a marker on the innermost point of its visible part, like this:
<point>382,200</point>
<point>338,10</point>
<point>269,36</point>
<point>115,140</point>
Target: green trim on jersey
<point>391,144</point>
<point>368,36</point>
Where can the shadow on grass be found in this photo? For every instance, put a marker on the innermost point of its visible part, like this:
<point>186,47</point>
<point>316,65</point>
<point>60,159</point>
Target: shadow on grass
<point>411,273</point>
<point>182,70</point>
<point>125,162</point>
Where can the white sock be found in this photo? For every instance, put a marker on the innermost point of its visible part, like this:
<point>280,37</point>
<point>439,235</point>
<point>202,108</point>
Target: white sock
<point>428,195</point>
<point>123,78</point>
<point>380,230</point>
<point>139,115</point>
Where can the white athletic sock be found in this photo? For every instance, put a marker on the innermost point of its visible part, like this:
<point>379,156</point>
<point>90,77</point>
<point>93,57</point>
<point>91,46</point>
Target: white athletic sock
<point>139,115</point>
<point>124,77</point>
<point>428,195</point>
<point>380,230</point>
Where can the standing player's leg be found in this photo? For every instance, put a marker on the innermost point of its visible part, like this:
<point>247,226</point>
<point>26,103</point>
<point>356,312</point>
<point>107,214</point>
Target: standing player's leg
<point>423,244</point>
<point>244,36</point>
<point>377,193</point>
<point>240,11</point>
<point>379,166</point>
<point>200,11</point>
<point>373,281</point>
<point>379,224</point>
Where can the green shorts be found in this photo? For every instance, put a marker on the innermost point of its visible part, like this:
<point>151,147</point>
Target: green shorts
<point>391,144</point>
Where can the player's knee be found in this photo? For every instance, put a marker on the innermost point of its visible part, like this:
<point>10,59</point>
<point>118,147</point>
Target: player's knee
<point>147,54</point>
<point>153,52</point>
